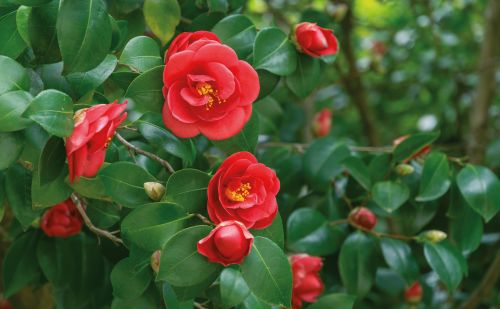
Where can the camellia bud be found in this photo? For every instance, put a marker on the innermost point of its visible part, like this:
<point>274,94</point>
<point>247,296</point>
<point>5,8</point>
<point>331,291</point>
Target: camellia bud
<point>404,169</point>
<point>363,217</point>
<point>154,190</point>
<point>433,236</point>
<point>413,294</point>
<point>322,122</point>
<point>155,261</point>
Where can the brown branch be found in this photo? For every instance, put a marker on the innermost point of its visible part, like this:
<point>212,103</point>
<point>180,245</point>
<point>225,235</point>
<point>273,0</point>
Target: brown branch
<point>203,219</point>
<point>80,206</point>
<point>150,155</point>
<point>382,235</point>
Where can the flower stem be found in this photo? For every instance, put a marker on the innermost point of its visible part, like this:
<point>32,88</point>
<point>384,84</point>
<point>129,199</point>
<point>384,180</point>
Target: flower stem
<point>203,219</point>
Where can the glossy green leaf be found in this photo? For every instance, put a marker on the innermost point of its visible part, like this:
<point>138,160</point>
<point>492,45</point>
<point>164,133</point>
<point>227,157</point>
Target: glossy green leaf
<point>52,159</point>
<point>144,93</point>
<point>83,82</point>
<point>305,78</point>
<point>413,144</point>
<point>186,293</point>
<point>84,34</point>
<point>103,214</point>
<point>128,280</point>
<point>188,189</point>
<point>252,302</point>
<point>359,171</point>
<point>181,264</point>
<point>246,140</point>
<point>466,225</point>
<point>149,299</point>
<point>124,183</point>
<point>267,272</point>
<point>273,232</point>
<point>310,232</point>
<point>162,17</point>
<point>12,42</point>
<point>233,288</point>
<point>30,2</point>
<point>446,262</point>
<point>51,193</point>
<point>20,266</point>
<point>398,256</point>
<point>218,6</point>
<point>150,226</point>
<point>273,51</point>
<point>12,106</point>
<point>12,76</point>
<point>237,31</point>
<point>435,179</point>
<point>390,195</point>
<point>268,82</point>
<point>357,263</point>
<point>480,187</point>
<point>323,161</point>
<point>12,144</point>
<point>171,301</point>
<point>22,19</point>
<point>141,54</point>
<point>338,300</point>
<point>53,110</point>
<point>90,187</point>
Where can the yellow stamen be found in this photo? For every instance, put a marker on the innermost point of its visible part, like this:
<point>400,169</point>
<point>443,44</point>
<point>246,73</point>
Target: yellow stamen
<point>240,193</point>
<point>205,89</point>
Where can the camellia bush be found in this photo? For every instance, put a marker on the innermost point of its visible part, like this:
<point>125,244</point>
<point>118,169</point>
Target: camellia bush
<point>153,154</point>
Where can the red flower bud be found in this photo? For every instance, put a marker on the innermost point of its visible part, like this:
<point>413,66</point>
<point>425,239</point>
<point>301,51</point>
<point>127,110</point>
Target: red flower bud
<point>425,150</point>
<point>315,41</point>
<point>307,284</point>
<point>413,294</point>
<point>363,217</point>
<point>227,244</point>
<point>322,122</point>
<point>62,220</point>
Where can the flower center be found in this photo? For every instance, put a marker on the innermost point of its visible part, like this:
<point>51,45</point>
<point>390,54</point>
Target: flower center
<point>240,193</point>
<point>205,89</point>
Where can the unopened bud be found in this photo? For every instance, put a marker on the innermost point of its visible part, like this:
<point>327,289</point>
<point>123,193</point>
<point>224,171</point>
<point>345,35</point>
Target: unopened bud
<point>322,122</point>
<point>413,294</point>
<point>404,169</point>
<point>363,217</point>
<point>433,236</point>
<point>154,190</point>
<point>155,261</point>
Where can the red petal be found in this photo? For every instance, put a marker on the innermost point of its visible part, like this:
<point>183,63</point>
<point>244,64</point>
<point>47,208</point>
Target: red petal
<point>228,126</point>
<point>249,82</point>
<point>180,129</point>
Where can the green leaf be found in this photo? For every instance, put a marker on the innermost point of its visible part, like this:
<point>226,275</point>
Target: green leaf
<point>446,262</point>
<point>273,51</point>
<point>141,54</point>
<point>246,140</point>
<point>357,263</point>
<point>51,193</point>
<point>339,300</point>
<point>398,256</point>
<point>52,160</point>
<point>149,299</point>
<point>267,272</point>
<point>435,179</point>
<point>22,19</point>
<point>237,31</point>
<point>90,187</point>
<point>129,281</point>
<point>268,82</point>
<point>144,93</point>
<point>233,288</point>
<point>181,264</point>
<point>20,266</point>
<point>273,232</point>
<point>190,292</point>
<point>309,231</point>
<point>83,82</point>
<point>12,144</point>
<point>103,214</point>
<point>413,144</point>
<point>359,171</point>
<point>12,76</point>
<point>151,126</point>
<point>124,183</point>
<point>150,226</point>
<point>30,2</point>
<point>306,76</point>
<point>162,17</point>
<point>12,42</point>
<point>84,34</point>
<point>53,110</point>
<point>480,187</point>
<point>323,161</point>
<point>188,189</point>
<point>12,106</point>
<point>171,301</point>
<point>252,302</point>
<point>390,195</point>
<point>217,6</point>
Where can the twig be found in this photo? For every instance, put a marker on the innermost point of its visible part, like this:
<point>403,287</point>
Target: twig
<point>339,222</point>
<point>302,146</point>
<point>186,20</point>
<point>203,219</point>
<point>164,163</point>
<point>380,235</point>
<point>80,204</point>
<point>344,197</point>
<point>198,305</point>
<point>387,149</point>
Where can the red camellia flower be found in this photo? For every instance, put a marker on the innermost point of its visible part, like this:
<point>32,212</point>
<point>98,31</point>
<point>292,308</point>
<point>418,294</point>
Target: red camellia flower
<point>414,293</point>
<point>322,122</point>
<point>183,40</point>
<point>307,284</point>
<point>94,129</point>
<point>363,217</point>
<point>425,150</point>
<point>314,40</point>
<point>244,190</point>
<point>62,220</point>
<point>208,90</point>
<point>227,244</point>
